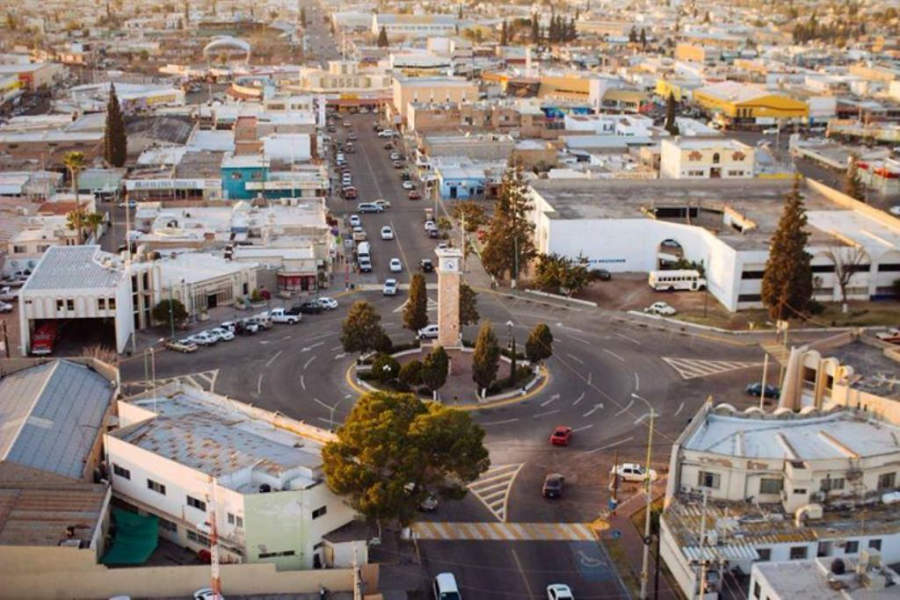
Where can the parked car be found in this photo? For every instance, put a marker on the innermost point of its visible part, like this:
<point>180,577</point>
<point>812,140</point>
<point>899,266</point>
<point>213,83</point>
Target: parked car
<point>5,307</point>
<point>396,266</point>
<point>891,336</point>
<point>632,472</point>
<point>7,294</point>
<point>390,287</point>
<point>559,591</point>
<point>246,327</point>
<point>207,594</point>
<point>601,274</point>
<point>429,504</point>
<point>660,308</point>
<point>263,320</point>
<point>184,345</point>
<point>389,145</point>
<point>445,587</point>
<point>355,221</point>
<point>365,265</point>
<point>309,307</point>
<point>429,332</point>
<point>229,325</point>
<point>408,185</point>
<point>429,224</point>
<point>553,485</point>
<point>203,339</point>
<point>414,195</point>
<point>398,164</point>
<point>561,436</point>
<point>755,389</point>
<point>386,133</point>
<point>387,233</point>
<point>426,265</point>
<point>224,335</point>
<point>395,156</point>
<point>328,303</point>
<point>291,316</point>
<point>382,203</point>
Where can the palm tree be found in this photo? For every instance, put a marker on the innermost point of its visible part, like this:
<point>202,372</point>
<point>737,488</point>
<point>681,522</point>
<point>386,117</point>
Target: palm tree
<point>74,162</point>
<point>76,221</point>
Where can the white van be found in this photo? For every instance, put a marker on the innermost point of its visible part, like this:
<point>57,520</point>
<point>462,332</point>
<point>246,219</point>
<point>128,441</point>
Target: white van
<point>363,250</point>
<point>445,587</point>
<point>677,279</point>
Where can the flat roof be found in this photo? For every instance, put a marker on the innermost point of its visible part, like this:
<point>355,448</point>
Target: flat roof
<point>75,268</point>
<point>40,514</point>
<point>195,267</point>
<point>812,580</point>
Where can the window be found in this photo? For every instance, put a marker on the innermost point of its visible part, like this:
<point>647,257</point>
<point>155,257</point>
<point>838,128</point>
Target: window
<point>319,512</point>
<point>756,589</point>
<point>121,471</point>
<point>59,304</point>
<point>19,249</point>
<point>799,490</point>
<point>886,481</point>
<point>851,547</point>
<point>798,552</point>
<point>749,297</point>
<point>156,487</point>
<point>198,504</point>
<point>197,537</point>
<point>273,554</point>
<point>771,485</point>
<point>822,268</point>
<point>889,267</point>
<point>764,554</point>
<point>237,175</point>
<point>875,544</point>
<point>708,480</point>
<point>111,303</point>
<point>239,522</point>
<point>101,303</point>
<point>167,525</point>
<point>829,484</point>
<point>230,519</point>
<point>70,304</point>
<point>716,158</point>
<point>752,275</point>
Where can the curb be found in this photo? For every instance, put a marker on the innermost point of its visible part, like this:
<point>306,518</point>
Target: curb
<point>767,331</point>
<point>561,298</point>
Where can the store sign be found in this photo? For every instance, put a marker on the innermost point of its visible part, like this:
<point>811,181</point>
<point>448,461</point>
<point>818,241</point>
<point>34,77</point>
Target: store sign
<point>172,184</point>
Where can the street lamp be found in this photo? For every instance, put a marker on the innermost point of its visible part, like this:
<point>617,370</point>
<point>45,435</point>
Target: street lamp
<point>512,353</point>
<point>645,563</point>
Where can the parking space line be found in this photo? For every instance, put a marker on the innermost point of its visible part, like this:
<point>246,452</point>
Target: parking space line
<point>274,358</point>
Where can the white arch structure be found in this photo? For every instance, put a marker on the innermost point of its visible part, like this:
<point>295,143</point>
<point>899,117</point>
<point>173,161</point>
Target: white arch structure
<point>229,42</point>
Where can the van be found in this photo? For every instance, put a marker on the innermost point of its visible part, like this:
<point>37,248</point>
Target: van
<point>363,251</point>
<point>368,207</point>
<point>445,587</point>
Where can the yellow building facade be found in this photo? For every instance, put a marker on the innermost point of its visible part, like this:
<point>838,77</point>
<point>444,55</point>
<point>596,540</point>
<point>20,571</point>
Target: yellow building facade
<point>741,101</point>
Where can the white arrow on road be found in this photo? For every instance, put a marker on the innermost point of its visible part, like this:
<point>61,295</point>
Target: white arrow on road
<point>308,348</point>
<point>552,398</point>
<point>593,410</point>
<point>578,399</point>
<point>340,356</point>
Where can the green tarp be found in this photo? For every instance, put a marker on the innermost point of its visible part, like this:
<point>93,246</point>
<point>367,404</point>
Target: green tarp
<point>135,541</point>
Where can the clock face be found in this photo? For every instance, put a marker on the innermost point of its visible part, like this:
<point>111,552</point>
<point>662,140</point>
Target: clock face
<point>450,265</point>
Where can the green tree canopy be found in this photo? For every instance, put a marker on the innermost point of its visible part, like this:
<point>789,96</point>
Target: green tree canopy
<point>787,279</point>
<point>383,38</point>
<point>415,312</point>
<point>393,450</point>
<point>557,273</point>
<point>160,312</point>
<point>486,357</point>
<point>509,244</point>
<point>411,373</point>
<point>385,367</point>
<point>670,125</point>
<point>74,163</point>
<point>470,214</point>
<point>435,368</point>
<point>115,142</point>
<point>539,345</point>
<point>361,331</point>
<point>468,305</point>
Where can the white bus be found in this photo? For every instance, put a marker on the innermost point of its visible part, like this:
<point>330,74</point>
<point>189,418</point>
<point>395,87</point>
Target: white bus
<point>683,279</point>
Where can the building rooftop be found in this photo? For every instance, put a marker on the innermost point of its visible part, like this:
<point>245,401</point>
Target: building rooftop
<point>873,371</point>
<point>241,446</point>
<point>194,267</point>
<point>42,515</point>
<point>51,415</point>
<point>707,143</point>
<point>75,268</point>
<point>814,580</point>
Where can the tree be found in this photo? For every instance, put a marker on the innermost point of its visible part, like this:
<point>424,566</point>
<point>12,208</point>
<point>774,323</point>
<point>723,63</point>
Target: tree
<point>115,142</point>
<point>787,279</point>
<point>471,217</point>
<point>504,34</point>
<point>633,35</point>
<point>671,126</point>
<point>415,312</point>
<point>468,305</point>
<point>853,186</point>
<point>383,38</point>
<point>643,39</point>
<point>556,273</point>
<point>393,450</point>
<point>509,243</point>
<point>847,262</point>
<point>411,373</point>
<point>162,313</point>
<point>76,220</point>
<point>434,369</point>
<point>486,357</point>
<point>385,367</point>
<point>539,345</point>
<point>74,162</point>
<point>361,331</point>
<point>303,17</point>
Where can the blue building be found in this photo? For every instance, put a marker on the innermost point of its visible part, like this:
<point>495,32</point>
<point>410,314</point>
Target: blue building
<point>461,182</point>
<point>239,170</point>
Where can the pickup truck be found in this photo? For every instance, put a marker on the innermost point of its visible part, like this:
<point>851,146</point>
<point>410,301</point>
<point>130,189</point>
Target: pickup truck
<point>285,315</point>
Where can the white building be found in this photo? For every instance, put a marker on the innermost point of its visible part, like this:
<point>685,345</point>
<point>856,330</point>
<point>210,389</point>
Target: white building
<point>603,124</point>
<point>824,578</point>
<point>185,455</point>
<point>706,158</point>
<point>640,226</point>
<point>419,26</point>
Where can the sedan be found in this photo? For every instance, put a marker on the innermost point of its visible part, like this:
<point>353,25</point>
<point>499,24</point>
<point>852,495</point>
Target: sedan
<point>409,185</point>
<point>429,332</point>
<point>755,389</point>
<point>559,591</point>
<point>390,287</point>
<point>310,307</point>
<point>226,335</point>
<point>553,485</point>
<point>203,339</point>
<point>387,233</point>
<point>561,436</point>
<point>426,265</point>
<point>396,265</point>
<point>5,307</point>
<point>398,164</point>
<point>395,156</point>
<point>7,294</point>
<point>382,203</point>
<point>328,303</point>
<point>355,221</point>
<point>414,195</point>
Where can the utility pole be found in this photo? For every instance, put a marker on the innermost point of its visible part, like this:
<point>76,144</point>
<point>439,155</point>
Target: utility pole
<point>215,580</point>
<point>762,391</point>
<point>645,563</point>
<point>171,312</point>
<point>702,586</point>
<point>357,580</point>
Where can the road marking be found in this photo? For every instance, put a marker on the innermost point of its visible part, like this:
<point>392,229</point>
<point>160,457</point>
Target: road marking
<point>552,398</point>
<point>274,358</point>
<point>578,339</point>
<point>408,268</point>
<point>302,383</point>
<point>430,306</point>
<point>522,574</point>
<point>575,358</point>
<point>690,368</point>
<point>575,329</point>
<point>264,342</point>
<point>494,486</point>
<point>503,422</point>
<point>456,530</point>
<point>590,377</point>
<point>259,384</point>
<point>643,418</point>
<point>306,364</point>
<point>582,428</point>
<point>340,356</point>
<point>593,410</point>
<point>612,445</point>
<point>544,414</point>
<point>336,348</point>
<point>320,403</point>
<point>637,382</point>
<point>286,338</point>
<point>625,409</point>
<point>680,406</point>
<point>625,337</point>
<point>610,352</point>
<point>311,346</point>
<point>578,399</point>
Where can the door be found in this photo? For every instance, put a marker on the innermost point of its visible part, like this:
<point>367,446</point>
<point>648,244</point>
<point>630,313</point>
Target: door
<point>211,301</point>
<point>453,191</point>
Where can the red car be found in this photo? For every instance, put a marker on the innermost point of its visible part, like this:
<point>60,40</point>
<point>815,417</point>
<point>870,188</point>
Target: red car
<point>561,436</point>
<point>414,195</point>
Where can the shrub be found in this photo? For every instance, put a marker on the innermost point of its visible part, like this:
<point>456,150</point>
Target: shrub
<point>385,368</point>
<point>411,373</point>
<point>365,375</point>
<point>508,354</point>
<point>256,296</point>
<point>406,346</point>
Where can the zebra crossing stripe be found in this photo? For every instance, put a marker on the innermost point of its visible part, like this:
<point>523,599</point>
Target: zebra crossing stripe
<point>690,368</point>
<point>493,487</point>
<point>481,531</point>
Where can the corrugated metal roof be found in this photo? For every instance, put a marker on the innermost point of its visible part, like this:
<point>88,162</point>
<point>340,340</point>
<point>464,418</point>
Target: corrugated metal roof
<point>50,416</point>
<point>74,267</point>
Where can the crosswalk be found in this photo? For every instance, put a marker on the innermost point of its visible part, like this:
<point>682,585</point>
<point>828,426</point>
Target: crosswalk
<point>493,488</point>
<point>429,530</point>
<point>204,380</point>
<point>690,368</point>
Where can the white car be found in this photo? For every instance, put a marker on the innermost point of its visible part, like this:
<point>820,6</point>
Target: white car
<point>429,225</point>
<point>328,303</point>
<point>429,332</point>
<point>7,294</point>
<point>382,203</point>
<point>387,233</point>
<point>632,472</point>
<point>207,594</point>
<point>895,210</point>
<point>408,185</point>
<point>395,156</point>
<point>226,335</point>
<point>660,308</point>
<point>396,265</point>
<point>5,307</point>
<point>203,339</point>
<point>390,287</point>
<point>386,133</point>
<point>559,591</point>
<point>355,221</point>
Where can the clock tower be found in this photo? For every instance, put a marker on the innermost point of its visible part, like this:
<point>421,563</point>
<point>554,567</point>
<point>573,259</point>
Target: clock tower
<point>449,264</point>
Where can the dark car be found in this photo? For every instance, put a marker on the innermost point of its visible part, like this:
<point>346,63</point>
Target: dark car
<point>405,176</point>
<point>755,389</point>
<point>601,274</point>
<point>309,307</point>
<point>389,146</point>
<point>553,485</point>
<point>426,265</point>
